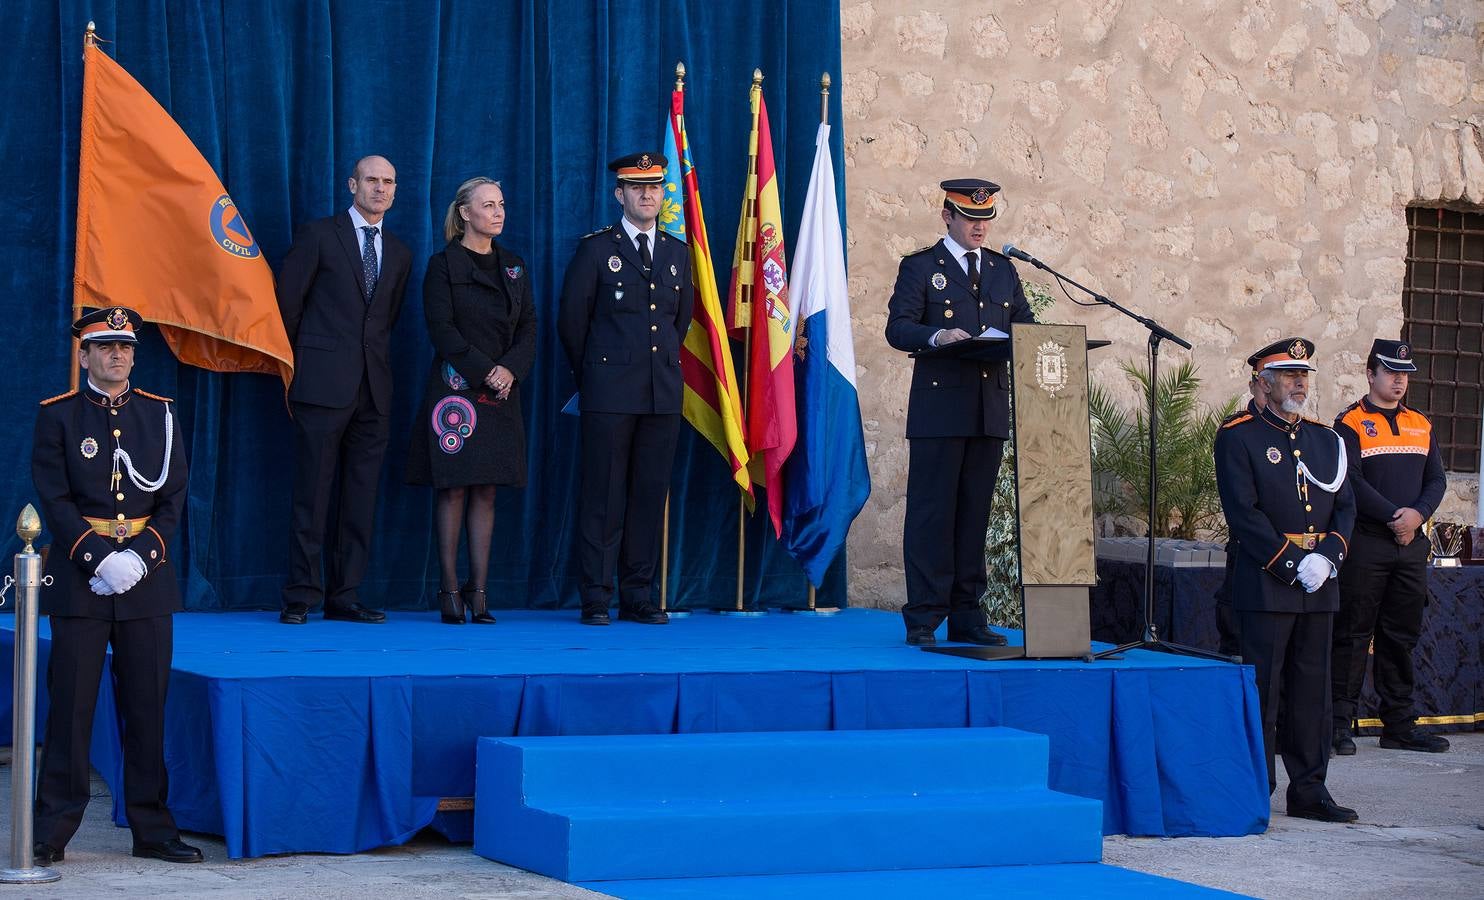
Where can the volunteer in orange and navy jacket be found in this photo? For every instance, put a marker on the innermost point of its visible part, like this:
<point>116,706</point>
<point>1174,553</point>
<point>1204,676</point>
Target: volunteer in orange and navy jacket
<point>1289,506</point>
<point>957,413</point>
<point>1398,477</point>
<point>109,466</point>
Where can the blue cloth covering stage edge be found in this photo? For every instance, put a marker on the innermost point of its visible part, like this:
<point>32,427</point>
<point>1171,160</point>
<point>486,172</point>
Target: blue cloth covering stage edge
<point>338,737</point>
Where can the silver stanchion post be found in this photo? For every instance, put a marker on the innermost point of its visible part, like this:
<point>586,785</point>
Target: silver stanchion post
<point>27,582</point>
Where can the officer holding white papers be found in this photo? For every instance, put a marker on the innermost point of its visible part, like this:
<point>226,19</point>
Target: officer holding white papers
<point>1290,509</point>
<point>109,466</point>
<point>957,413</point>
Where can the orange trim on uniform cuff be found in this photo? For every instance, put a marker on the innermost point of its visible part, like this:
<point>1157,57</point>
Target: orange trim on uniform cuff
<point>78,542</point>
<point>1281,550</point>
<point>151,530</point>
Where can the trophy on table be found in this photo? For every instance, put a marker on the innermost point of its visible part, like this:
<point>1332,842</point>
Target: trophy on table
<point>1447,543</point>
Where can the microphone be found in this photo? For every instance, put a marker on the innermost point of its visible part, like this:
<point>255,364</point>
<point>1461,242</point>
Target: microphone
<point>1015,252</point>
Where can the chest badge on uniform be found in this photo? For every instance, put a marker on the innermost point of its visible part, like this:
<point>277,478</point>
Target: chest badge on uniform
<point>512,272</point>
<point>1274,456</point>
<point>89,448</point>
<point>614,264</point>
<point>674,272</point>
<point>939,281</point>
<point>1370,427</point>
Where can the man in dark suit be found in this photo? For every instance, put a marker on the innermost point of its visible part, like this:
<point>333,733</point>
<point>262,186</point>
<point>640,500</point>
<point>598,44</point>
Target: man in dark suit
<point>340,289</point>
<point>110,469</point>
<point>625,307</point>
<point>1290,509</point>
<point>957,413</point>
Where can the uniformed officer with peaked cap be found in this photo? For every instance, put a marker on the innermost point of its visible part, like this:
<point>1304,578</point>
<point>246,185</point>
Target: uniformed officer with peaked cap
<point>625,307</point>
<point>1290,509</point>
<point>957,412</point>
<point>109,466</point>
<point>1397,472</point>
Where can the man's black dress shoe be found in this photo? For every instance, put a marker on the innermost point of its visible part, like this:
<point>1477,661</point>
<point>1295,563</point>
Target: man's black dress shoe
<point>46,854</point>
<point>921,637</point>
<point>977,634</point>
<point>354,613</point>
<point>294,614</point>
<point>1343,743</point>
<point>174,850</point>
<point>594,615</point>
<point>1325,810</point>
<point>1417,740</point>
<point>644,615</point>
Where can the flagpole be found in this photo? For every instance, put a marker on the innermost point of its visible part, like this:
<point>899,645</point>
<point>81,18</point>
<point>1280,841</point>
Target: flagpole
<point>740,609</point>
<point>824,119</point>
<point>665,533</point>
<point>89,39</point>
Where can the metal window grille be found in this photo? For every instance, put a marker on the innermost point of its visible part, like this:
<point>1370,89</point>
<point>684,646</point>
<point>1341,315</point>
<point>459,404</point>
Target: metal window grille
<point>1443,304</point>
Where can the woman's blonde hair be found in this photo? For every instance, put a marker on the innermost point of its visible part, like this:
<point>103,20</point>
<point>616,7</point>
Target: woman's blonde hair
<point>453,223</point>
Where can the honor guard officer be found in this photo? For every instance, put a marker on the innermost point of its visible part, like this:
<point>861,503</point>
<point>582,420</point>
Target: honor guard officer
<point>957,413</point>
<point>110,471</point>
<point>1397,474</point>
<point>625,307</point>
<point>1290,510</point>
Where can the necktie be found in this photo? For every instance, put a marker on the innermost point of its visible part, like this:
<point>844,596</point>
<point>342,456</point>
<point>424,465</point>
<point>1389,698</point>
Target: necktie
<point>644,256</point>
<point>973,260</point>
<point>370,271</point>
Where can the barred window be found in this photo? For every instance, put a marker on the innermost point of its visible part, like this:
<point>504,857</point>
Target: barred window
<point>1443,304</point>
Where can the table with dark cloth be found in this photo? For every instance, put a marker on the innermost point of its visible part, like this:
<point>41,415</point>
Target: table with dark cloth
<point>1450,673</point>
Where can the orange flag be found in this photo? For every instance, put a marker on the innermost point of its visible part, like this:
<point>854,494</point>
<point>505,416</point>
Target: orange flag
<point>156,231</point>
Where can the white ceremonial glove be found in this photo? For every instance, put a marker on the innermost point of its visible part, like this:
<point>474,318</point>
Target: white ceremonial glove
<point>100,587</point>
<point>121,570</point>
<point>1313,571</point>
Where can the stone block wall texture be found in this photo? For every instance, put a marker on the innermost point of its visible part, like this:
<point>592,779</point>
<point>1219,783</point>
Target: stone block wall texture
<point>1238,170</point>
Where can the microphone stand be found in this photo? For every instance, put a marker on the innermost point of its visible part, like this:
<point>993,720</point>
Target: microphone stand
<point>1150,640</point>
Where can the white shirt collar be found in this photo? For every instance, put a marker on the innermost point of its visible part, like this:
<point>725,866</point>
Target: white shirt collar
<point>359,221</point>
<point>959,252</point>
<point>633,232</point>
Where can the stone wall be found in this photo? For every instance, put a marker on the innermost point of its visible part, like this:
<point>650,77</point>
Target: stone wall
<point>1238,170</point>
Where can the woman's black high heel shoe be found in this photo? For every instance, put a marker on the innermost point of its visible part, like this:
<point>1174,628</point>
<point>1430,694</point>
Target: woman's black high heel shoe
<point>452,605</point>
<point>478,603</point>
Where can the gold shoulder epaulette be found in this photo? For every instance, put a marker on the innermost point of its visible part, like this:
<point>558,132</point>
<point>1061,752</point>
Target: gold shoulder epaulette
<point>1237,421</point>
<point>604,230</point>
<point>50,400</point>
<point>153,396</point>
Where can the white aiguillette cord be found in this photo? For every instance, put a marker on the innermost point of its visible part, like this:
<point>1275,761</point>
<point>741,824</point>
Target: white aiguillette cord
<point>120,455</point>
<point>1302,471</point>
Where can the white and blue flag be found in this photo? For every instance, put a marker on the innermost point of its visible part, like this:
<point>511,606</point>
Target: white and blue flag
<point>826,480</point>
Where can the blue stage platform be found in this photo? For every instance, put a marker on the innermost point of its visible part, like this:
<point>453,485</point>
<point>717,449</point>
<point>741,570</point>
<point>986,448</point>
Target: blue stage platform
<point>337,737</point>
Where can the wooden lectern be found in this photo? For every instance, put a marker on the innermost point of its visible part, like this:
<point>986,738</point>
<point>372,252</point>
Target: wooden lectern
<point>1053,485</point>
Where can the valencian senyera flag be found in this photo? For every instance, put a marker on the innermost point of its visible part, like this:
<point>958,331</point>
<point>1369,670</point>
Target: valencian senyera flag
<point>759,295</point>
<point>156,231</point>
<point>712,400</point>
<point>827,481</point>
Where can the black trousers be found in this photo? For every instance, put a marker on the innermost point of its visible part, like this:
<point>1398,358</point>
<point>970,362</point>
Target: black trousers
<point>1383,589</point>
<point>1228,641</point>
<point>950,486</point>
<point>141,674</point>
<point>1289,653</point>
<point>353,441</point>
<point>626,463</point>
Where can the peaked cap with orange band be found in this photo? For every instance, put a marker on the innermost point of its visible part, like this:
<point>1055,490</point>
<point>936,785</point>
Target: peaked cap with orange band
<point>973,198</point>
<point>1289,354</point>
<point>114,323</point>
<point>640,168</point>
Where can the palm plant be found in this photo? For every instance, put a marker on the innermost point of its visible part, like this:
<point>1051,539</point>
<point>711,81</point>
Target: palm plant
<point>1187,505</point>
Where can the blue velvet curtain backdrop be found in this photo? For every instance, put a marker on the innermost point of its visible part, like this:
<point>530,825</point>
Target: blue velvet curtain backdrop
<point>281,97</point>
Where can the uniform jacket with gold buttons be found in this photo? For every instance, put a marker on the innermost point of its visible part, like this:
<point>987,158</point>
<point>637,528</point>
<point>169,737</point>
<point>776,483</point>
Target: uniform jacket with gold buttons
<point>1266,499</point>
<point>955,397</point>
<point>621,329</point>
<point>72,465</point>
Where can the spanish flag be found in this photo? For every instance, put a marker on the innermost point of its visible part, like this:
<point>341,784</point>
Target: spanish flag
<point>759,293</point>
<point>156,231</point>
<point>712,402</point>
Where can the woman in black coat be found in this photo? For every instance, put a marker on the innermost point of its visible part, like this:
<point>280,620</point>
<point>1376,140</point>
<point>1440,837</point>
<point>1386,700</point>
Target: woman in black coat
<point>470,436</point>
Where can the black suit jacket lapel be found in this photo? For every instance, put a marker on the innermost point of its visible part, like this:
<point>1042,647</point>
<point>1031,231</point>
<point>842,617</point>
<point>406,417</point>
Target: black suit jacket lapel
<point>626,247</point>
<point>345,230</point>
<point>953,269</point>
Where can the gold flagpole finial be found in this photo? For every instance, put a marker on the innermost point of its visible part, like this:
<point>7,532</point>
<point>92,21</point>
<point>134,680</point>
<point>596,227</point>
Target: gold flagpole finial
<point>680,76</point>
<point>90,37</point>
<point>824,98</point>
<point>757,77</point>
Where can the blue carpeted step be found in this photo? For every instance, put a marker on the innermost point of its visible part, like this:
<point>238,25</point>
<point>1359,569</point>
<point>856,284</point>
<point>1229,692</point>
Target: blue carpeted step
<point>695,805</point>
